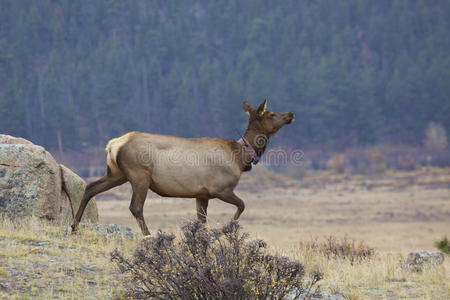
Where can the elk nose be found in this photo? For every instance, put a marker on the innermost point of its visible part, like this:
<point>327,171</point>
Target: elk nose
<point>290,117</point>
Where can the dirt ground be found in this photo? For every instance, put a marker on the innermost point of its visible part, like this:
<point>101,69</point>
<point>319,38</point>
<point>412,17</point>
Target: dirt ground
<point>393,212</point>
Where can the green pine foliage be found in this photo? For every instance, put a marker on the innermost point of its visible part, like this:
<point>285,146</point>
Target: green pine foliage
<point>443,245</point>
<point>354,72</point>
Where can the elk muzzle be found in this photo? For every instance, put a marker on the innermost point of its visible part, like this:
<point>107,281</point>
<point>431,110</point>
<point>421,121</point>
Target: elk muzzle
<point>289,118</point>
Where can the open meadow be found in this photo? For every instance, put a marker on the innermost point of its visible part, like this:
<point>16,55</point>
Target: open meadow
<point>325,122</point>
<point>394,213</point>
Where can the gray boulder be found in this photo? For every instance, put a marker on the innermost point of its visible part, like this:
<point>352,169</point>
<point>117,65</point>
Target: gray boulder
<point>312,294</point>
<point>417,260</point>
<point>72,192</point>
<point>116,231</point>
<point>33,183</point>
<point>7,139</point>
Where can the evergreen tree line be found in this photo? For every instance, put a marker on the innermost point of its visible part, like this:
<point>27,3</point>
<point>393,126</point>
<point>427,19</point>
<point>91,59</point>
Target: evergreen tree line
<point>354,72</point>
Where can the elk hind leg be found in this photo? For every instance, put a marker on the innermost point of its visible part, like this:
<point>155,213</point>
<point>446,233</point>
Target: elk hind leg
<point>103,184</point>
<point>202,208</point>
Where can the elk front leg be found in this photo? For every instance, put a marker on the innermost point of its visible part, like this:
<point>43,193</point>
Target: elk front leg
<point>202,208</point>
<point>230,197</point>
<point>137,205</point>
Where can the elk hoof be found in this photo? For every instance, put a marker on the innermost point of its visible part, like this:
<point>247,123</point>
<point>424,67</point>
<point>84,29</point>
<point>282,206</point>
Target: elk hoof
<point>74,229</point>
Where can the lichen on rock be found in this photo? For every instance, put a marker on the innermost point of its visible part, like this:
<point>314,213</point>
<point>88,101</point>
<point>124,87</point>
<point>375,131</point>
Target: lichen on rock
<point>33,183</point>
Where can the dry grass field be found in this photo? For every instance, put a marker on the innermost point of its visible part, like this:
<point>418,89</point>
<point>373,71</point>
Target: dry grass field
<point>395,213</point>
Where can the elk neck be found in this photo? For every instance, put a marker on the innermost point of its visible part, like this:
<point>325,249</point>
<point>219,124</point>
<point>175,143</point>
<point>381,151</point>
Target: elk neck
<point>257,138</point>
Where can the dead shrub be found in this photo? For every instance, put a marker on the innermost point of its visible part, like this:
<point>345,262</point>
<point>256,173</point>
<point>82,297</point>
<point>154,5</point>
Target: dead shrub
<point>378,163</point>
<point>406,162</point>
<point>345,248</point>
<point>211,264</point>
<point>435,137</point>
<point>337,163</point>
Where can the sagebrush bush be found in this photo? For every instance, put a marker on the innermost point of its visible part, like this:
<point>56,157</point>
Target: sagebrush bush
<point>377,161</point>
<point>337,163</point>
<point>344,248</point>
<point>406,162</point>
<point>435,137</point>
<point>211,264</point>
<point>443,245</point>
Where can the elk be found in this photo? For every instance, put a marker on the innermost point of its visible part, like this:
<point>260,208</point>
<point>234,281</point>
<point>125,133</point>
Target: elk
<point>200,168</point>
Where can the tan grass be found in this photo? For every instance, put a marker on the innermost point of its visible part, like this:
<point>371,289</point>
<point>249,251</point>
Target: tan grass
<point>39,260</point>
<point>378,278</point>
<point>399,211</point>
<point>395,213</point>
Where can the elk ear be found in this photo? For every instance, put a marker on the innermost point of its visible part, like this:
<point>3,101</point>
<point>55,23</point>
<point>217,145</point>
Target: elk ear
<point>248,107</point>
<point>262,108</point>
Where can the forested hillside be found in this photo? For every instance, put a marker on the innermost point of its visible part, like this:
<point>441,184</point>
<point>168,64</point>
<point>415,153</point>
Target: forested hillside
<point>354,72</point>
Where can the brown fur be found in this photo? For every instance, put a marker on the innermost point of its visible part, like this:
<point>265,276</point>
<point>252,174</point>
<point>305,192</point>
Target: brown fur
<point>201,168</point>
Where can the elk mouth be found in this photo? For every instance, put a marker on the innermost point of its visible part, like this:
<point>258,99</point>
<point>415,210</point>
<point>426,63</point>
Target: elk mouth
<point>291,118</point>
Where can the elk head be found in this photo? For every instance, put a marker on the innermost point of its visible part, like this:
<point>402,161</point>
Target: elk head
<point>266,122</point>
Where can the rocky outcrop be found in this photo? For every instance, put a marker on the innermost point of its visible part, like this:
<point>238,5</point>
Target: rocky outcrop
<point>7,139</point>
<point>73,189</point>
<point>33,183</point>
<point>312,294</point>
<point>416,261</point>
<point>116,231</point>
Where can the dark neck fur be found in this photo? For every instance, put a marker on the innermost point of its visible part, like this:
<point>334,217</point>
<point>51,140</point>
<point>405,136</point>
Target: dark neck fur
<point>256,137</point>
